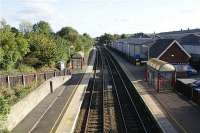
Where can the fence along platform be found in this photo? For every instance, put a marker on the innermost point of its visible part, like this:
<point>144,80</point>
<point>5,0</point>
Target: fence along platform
<point>27,79</point>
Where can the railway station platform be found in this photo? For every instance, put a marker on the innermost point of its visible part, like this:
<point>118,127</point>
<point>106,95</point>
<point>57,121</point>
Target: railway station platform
<point>68,122</point>
<point>45,117</point>
<point>173,112</point>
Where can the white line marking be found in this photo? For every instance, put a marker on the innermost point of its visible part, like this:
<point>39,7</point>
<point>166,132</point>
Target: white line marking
<point>43,115</point>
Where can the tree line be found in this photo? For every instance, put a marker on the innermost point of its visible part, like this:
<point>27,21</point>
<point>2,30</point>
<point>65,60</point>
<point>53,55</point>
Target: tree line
<point>109,38</point>
<point>36,46</point>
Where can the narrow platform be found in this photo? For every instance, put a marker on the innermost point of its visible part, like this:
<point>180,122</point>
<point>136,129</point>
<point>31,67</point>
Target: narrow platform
<point>173,112</point>
<point>136,74</point>
<point>70,117</point>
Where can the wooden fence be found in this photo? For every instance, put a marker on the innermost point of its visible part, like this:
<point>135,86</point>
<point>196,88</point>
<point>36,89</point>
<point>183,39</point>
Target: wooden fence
<point>27,79</point>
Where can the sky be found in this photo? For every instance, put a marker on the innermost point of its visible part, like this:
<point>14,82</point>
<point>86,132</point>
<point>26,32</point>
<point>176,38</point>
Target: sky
<point>111,16</point>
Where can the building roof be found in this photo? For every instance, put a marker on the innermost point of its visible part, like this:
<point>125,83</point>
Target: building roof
<point>160,65</point>
<point>78,55</point>
<point>136,41</point>
<point>191,39</point>
<point>193,31</point>
<point>159,46</point>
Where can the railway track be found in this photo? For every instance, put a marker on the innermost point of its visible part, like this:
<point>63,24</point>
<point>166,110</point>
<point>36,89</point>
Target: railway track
<point>91,116</point>
<point>130,120</point>
<point>108,105</point>
<point>94,121</point>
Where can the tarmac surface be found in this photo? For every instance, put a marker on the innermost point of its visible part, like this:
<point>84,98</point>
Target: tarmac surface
<point>42,118</point>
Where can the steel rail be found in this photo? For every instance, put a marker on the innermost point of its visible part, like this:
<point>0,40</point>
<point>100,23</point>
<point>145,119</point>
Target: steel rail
<point>103,87</point>
<point>111,60</point>
<point>96,94</point>
<point>91,96</point>
<point>117,96</point>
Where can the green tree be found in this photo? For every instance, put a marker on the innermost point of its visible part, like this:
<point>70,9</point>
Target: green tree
<point>43,49</point>
<point>124,36</point>
<point>42,27</point>
<point>85,42</point>
<point>12,49</point>
<point>69,34</point>
<point>105,39</point>
<point>62,49</point>
<point>15,30</point>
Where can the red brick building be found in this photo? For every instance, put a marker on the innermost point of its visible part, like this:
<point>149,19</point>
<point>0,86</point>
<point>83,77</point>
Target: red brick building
<point>169,50</point>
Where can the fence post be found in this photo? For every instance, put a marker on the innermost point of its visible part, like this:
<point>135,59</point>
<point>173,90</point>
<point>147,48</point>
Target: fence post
<point>23,80</point>
<point>36,78</point>
<point>8,81</point>
<point>45,76</point>
<point>54,73</point>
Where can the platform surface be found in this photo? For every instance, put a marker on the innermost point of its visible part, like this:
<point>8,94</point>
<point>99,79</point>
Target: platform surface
<point>173,112</point>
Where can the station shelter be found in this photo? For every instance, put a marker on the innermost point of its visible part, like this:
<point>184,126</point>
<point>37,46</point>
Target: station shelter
<point>77,60</point>
<point>160,74</point>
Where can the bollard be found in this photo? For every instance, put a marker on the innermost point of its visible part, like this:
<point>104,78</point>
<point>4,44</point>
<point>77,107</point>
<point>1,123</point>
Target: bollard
<point>51,86</point>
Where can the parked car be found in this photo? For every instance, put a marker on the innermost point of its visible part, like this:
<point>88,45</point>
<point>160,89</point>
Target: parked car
<point>187,69</point>
<point>195,84</point>
<point>190,70</point>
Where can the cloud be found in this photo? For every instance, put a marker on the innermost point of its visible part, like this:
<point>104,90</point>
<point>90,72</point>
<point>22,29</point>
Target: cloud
<point>35,10</point>
<point>37,1</point>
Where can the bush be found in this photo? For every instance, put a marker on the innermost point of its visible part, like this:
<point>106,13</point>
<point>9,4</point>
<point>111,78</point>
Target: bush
<point>26,69</point>
<point>21,92</point>
<point>9,95</point>
<point>32,61</point>
<point>4,107</point>
<point>47,68</point>
<point>4,131</point>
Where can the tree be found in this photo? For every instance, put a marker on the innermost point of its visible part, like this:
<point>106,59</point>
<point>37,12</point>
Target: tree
<point>25,27</point>
<point>69,34</point>
<point>62,49</point>
<point>42,27</point>
<point>124,36</point>
<point>105,39</point>
<point>85,43</point>
<point>14,30</point>
<point>12,49</point>
<point>43,48</point>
